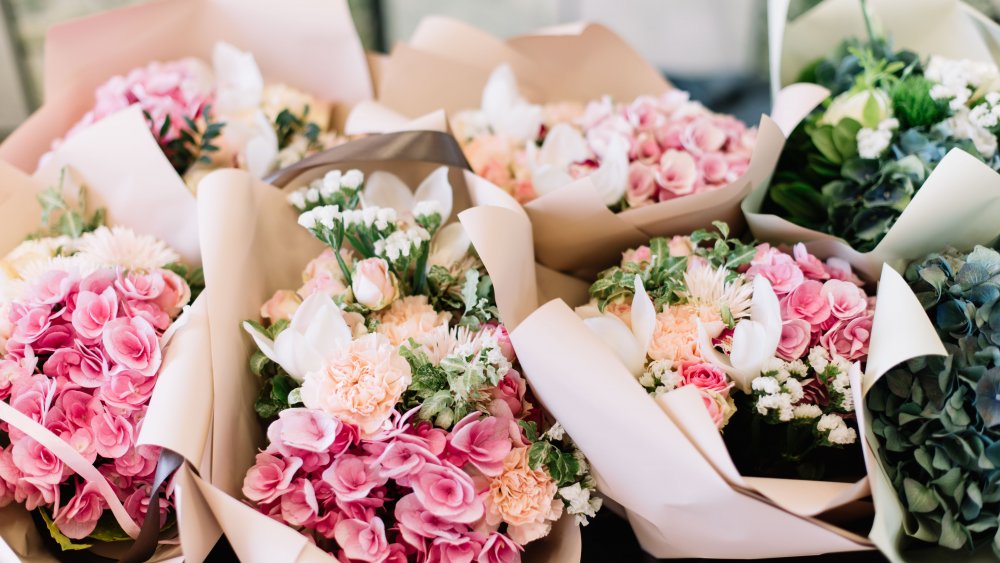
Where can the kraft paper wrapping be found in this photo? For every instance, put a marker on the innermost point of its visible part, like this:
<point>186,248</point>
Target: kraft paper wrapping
<point>253,246</point>
<point>574,230</point>
<point>960,191</point>
<point>124,171</point>
<point>663,460</point>
<point>318,35</point>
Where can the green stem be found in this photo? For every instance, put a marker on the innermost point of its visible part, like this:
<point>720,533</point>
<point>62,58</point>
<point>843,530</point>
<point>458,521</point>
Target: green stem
<point>869,28</point>
<point>343,267</point>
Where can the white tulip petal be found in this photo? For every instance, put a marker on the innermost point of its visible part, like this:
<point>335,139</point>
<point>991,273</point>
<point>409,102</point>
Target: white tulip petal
<point>261,149</point>
<point>500,93</point>
<point>265,344</point>
<point>240,85</point>
<point>563,146</point>
<point>643,316</point>
<point>616,334</point>
<point>383,189</point>
<point>749,353</point>
<point>296,355</point>
<point>437,188</point>
<point>588,311</point>
<point>450,245</point>
<point>611,178</point>
<point>546,179</point>
<point>521,122</point>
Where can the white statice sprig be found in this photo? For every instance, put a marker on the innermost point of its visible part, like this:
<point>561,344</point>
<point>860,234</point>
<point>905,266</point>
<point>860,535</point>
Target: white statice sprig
<point>835,431</point>
<point>335,188</point>
<point>872,143</point>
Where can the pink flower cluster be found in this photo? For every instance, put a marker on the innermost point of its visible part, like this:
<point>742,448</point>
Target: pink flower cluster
<point>415,493</point>
<point>177,89</point>
<point>821,303</point>
<point>82,361</point>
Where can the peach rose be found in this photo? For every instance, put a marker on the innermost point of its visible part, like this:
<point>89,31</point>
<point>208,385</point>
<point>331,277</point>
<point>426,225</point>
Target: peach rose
<point>323,274</point>
<point>281,305</point>
<point>410,317</point>
<point>361,384</point>
<point>523,498</point>
<point>374,285</point>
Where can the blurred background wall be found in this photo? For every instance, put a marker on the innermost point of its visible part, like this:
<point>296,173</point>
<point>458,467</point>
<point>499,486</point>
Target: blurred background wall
<point>716,49</point>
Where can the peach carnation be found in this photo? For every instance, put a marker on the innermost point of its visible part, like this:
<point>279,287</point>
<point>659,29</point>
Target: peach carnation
<point>410,317</point>
<point>361,384</point>
<point>676,335</point>
<point>524,498</point>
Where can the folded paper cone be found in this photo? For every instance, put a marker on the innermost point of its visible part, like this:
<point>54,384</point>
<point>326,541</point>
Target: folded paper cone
<point>83,54</point>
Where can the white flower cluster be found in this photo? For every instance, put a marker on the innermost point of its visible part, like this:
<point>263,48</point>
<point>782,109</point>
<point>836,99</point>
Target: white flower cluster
<point>325,216</point>
<point>556,432</point>
<point>968,123</point>
<point>837,431</point>
<point>401,243</point>
<point>958,80</point>
<point>873,142</point>
<point>325,188</point>
<point>987,114</point>
<point>378,217</point>
<point>778,389</point>
<point>426,208</point>
<point>659,377</point>
<point>580,503</point>
<point>486,340</point>
<point>840,384</point>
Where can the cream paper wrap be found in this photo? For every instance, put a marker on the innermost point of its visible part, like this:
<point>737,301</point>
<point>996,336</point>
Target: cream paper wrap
<point>662,459</point>
<point>447,63</point>
<point>124,171</point>
<point>253,246</point>
<point>961,191</point>
<point>310,45</point>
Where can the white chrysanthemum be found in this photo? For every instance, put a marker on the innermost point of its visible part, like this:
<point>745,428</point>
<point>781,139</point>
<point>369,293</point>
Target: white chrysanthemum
<point>121,246</point>
<point>707,285</point>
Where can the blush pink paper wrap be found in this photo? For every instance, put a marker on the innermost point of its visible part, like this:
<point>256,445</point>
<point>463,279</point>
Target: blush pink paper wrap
<point>961,192</point>
<point>124,172</point>
<point>662,460</point>
<point>317,35</point>
<point>252,246</point>
<point>446,64</point>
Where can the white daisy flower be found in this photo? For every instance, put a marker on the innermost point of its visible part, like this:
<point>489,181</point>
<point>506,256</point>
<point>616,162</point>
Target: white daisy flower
<point>121,246</point>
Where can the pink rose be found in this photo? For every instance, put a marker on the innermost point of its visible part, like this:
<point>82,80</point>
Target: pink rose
<point>33,397</point>
<point>669,135</point>
<point>38,465</point>
<point>52,287</point>
<point>281,306</point>
<point>811,266</point>
<point>846,299</point>
<point>702,136</point>
<point>113,434</point>
<point>840,269</point>
<point>483,442</point>
<point>644,113</point>
<point>298,505</point>
<point>176,293</point>
<point>12,370</point>
<point>796,335</point>
<point>434,439</point>
<point>137,503</point>
<point>677,174</point>
<point>511,390</point>
<point>680,246</point>
<point>849,339</point>
<point>141,286</point>
<point>715,405</point>
<point>127,389</point>
<point>362,541</point>
<point>308,430</point>
<point>137,462</point>
<point>149,311</point>
<point>461,550</point>
<point>498,548</point>
<point>637,255</point>
<point>353,477</point>
<point>417,524</point>
<point>270,477</point>
<point>133,344</point>
<point>93,311</point>
<point>78,517</point>
<point>402,459</point>
<point>704,376</point>
<point>714,168</point>
<point>32,325</point>
<point>373,284</point>
<point>79,407</point>
<point>806,302</point>
<point>644,149</point>
<point>449,493</point>
<point>641,184</point>
<point>779,269</point>
<point>56,337</point>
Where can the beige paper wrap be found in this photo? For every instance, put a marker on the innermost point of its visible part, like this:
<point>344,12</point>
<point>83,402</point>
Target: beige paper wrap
<point>446,64</point>
<point>961,191</point>
<point>310,45</point>
<point>253,246</point>
<point>124,171</point>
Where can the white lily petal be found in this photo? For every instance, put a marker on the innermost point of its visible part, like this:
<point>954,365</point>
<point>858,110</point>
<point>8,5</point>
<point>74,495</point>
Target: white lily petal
<point>437,188</point>
<point>296,355</point>
<point>521,122</point>
<point>563,146</point>
<point>588,311</point>
<point>450,245</point>
<point>383,189</point>
<point>261,149</point>
<point>749,353</point>
<point>265,344</point>
<point>507,113</point>
<point>766,310</point>
<point>500,93</point>
<point>546,179</point>
<point>643,316</point>
<point>709,352</point>
<point>240,85</point>
<point>616,334</point>
<point>611,178</point>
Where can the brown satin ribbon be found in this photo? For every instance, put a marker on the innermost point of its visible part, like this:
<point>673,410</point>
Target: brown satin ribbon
<point>149,534</point>
<point>417,146</point>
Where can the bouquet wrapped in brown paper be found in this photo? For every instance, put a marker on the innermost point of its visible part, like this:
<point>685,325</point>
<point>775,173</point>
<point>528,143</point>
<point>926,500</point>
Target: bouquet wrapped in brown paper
<point>255,250</point>
<point>214,86</point>
<point>895,153</point>
<point>119,256</point>
<point>603,153</point>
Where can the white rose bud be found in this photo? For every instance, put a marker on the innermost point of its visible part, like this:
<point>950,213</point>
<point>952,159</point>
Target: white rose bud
<point>373,284</point>
<point>852,105</point>
<point>297,199</point>
<point>352,179</point>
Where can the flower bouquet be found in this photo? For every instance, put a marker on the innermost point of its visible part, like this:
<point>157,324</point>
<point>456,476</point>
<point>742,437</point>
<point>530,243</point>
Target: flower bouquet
<point>728,366</point>
<point>248,108</point>
<point>902,126</point>
<point>91,330</point>
<point>630,158</point>
<point>390,344</point>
